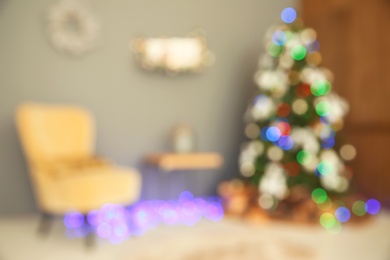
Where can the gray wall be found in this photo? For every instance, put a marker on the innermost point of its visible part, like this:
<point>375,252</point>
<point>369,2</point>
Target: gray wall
<point>135,110</point>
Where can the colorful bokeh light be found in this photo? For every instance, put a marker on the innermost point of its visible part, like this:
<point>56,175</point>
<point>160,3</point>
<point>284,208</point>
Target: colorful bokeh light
<point>336,228</point>
<point>323,108</point>
<point>289,15</point>
<point>359,208</point>
<point>273,133</point>
<point>343,214</point>
<point>116,223</point>
<point>283,110</point>
<point>286,143</point>
<point>319,196</point>
<point>284,127</point>
<point>279,38</point>
<point>303,90</point>
<point>328,143</point>
<point>298,52</point>
<point>275,50</point>
<point>327,220</point>
<point>320,87</point>
<point>372,206</point>
<point>327,205</point>
<point>325,168</point>
<point>73,220</point>
<point>304,157</point>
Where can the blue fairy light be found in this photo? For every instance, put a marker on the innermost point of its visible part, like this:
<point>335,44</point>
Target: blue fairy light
<point>286,143</point>
<point>343,214</point>
<point>289,15</point>
<point>279,38</point>
<point>73,220</point>
<point>116,223</point>
<point>373,206</point>
<point>92,217</point>
<point>328,143</point>
<point>186,195</point>
<point>273,134</point>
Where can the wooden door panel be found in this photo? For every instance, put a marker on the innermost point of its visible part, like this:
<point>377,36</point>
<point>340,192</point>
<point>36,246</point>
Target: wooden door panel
<point>355,45</point>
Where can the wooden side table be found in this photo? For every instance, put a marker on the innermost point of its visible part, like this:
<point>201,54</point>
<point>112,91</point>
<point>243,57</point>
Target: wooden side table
<point>184,161</point>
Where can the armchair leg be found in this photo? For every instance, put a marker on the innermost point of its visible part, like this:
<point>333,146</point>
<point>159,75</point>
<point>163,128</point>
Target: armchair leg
<point>45,224</point>
<point>90,238</point>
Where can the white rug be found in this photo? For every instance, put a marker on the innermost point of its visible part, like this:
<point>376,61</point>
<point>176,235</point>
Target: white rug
<point>226,240</point>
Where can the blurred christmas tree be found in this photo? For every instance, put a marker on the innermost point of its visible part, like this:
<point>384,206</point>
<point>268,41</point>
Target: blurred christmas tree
<point>292,123</point>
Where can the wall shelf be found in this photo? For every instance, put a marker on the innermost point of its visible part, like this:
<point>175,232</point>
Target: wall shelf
<point>184,161</point>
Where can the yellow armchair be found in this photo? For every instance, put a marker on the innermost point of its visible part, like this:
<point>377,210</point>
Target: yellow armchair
<point>58,142</point>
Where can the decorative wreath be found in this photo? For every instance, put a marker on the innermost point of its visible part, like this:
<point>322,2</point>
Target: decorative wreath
<point>72,28</point>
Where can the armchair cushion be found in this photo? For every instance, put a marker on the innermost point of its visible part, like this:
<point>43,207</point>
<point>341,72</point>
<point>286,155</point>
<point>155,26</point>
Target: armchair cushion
<point>66,167</point>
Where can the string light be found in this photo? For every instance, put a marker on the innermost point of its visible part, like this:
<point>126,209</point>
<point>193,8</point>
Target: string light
<point>320,87</point>
<point>289,15</point>
<point>298,52</point>
<point>319,195</point>
<point>372,206</point>
<point>323,108</point>
<point>327,220</point>
<point>286,143</point>
<point>325,168</point>
<point>273,134</point>
<point>279,38</point>
<point>304,157</point>
<point>343,214</point>
<point>117,223</point>
<point>359,208</point>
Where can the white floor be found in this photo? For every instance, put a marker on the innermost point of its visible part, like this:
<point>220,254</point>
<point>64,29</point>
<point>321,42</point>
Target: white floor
<point>227,239</point>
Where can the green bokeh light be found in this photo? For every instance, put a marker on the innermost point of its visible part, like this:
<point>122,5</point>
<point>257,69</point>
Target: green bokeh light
<point>304,157</point>
<point>325,167</point>
<point>327,205</point>
<point>336,228</point>
<point>320,87</point>
<point>323,108</point>
<point>289,35</point>
<point>359,208</point>
<point>327,220</point>
<point>275,50</point>
<point>298,52</point>
<point>319,196</point>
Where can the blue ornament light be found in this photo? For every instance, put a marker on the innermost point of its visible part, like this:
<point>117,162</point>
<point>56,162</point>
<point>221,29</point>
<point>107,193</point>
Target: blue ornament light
<point>373,206</point>
<point>286,143</point>
<point>342,214</point>
<point>273,133</point>
<point>289,15</point>
<point>73,220</point>
<point>279,38</point>
<point>328,143</point>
